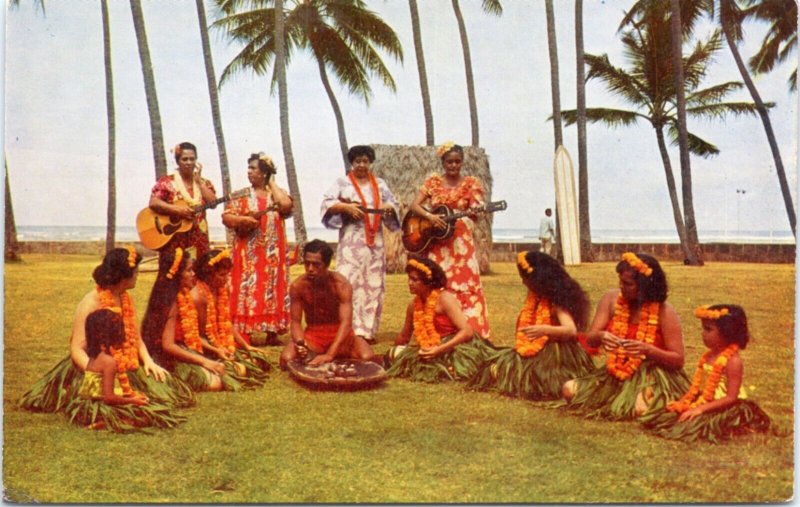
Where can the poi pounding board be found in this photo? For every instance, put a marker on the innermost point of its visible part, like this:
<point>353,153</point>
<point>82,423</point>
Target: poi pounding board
<point>567,207</point>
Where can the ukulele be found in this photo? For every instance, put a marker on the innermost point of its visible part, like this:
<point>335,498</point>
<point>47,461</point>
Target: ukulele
<point>245,230</point>
<point>372,211</point>
<point>156,229</point>
<point>419,232</point>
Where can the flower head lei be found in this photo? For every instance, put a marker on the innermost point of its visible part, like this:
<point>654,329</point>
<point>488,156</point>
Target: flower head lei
<point>705,312</point>
<point>636,263</point>
<point>225,254</point>
<point>522,262</point>
<point>442,150</point>
<point>177,150</point>
<point>131,256</point>
<point>422,268</point>
<point>176,263</point>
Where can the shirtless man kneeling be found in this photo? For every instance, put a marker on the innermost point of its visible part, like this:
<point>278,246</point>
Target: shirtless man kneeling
<point>326,299</point>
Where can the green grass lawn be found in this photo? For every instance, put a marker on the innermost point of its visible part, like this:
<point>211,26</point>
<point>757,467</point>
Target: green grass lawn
<point>402,442</point>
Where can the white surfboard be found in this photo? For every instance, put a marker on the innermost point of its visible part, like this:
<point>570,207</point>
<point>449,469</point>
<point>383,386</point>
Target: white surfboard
<point>567,207</point>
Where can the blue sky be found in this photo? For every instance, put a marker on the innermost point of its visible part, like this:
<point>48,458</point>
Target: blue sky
<point>55,124</point>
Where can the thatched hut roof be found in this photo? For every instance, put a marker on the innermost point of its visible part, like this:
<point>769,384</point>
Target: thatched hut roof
<point>404,168</point>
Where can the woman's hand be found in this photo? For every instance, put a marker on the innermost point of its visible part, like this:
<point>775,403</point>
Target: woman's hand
<point>437,221</point>
<point>690,414</point>
<point>214,366</point>
<point>157,372</point>
<point>198,170</point>
<point>533,331</point>
<point>354,210</point>
<point>635,347</point>
<point>429,353</point>
<point>609,341</point>
<point>223,354</point>
<point>183,211</point>
<point>139,399</point>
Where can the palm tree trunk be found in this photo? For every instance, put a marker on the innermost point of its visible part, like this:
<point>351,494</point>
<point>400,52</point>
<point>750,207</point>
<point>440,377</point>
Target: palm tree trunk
<point>694,257</point>
<point>11,244</point>
<point>337,112</point>
<point>473,105</point>
<point>111,214</point>
<point>423,75</point>
<point>762,111</point>
<point>214,98</point>
<point>286,141</point>
<point>555,91</point>
<point>673,192</point>
<point>157,137</point>
<point>583,166</point>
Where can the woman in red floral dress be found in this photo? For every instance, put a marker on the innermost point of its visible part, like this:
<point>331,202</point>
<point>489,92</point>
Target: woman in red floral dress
<point>456,255</point>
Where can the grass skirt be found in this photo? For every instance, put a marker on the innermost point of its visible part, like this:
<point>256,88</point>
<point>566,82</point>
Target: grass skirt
<point>256,368</point>
<point>742,417</point>
<point>55,389</point>
<point>537,378</point>
<point>460,363</point>
<point>195,376</point>
<point>172,392</point>
<point>601,395</point>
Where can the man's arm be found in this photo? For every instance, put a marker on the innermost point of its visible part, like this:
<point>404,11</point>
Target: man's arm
<point>296,314</point>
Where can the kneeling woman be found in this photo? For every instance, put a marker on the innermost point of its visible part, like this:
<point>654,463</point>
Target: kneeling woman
<point>211,297</point>
<point>446,347</point>
<point>641,335</point>
<point>546,352</point>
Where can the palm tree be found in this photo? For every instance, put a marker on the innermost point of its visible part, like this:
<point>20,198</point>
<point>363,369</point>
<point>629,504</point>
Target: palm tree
<point>492,7</point>
<point>555,91</point>
<point>648,85</point>
<point>111,214</point>
<point>156,136</point>
<point>211,78</point>
<point>423,75</point>
<point>781,39</point>
<point>342,35</point>
<point>583,166</point>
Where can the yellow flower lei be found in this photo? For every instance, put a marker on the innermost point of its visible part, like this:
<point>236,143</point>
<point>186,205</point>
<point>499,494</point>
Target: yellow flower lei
<point>536,311</point>
<point>224,254</point>
<point>691,398</point>
<point>447,146</point>
<point>619,363</point>
<point>523,263</point>
<point>187,314</point>
<point>704,312</point>
<point>425,270</point>
<point>424,330</point>
<point>176,263</point>
<point>126,356</point>
<point>636,263</point>
<point>131,256</point>
<point>218,328</point>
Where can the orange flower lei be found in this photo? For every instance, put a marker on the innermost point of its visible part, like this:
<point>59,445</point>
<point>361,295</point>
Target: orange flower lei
<point>218,328</point>
<point>536,312</point>
<point>424,330</point>
<point>636,263</point>
<point>422,268</point>
<point>522,261</point>
<point>131,256</point>
<point>176,263</point>
<point>704,312</point>
<point>187,314</point>
<point>443,149</point>
<point>370,225</point>
<point>127,356</point>
<point>691,398</point>
<point>619,363</point>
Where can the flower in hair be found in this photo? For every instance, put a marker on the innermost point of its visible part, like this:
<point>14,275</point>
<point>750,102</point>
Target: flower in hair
<point>443,149</point>
<point>636,263</point>
<point>177,150</point>
<point>224,254</point>
<point>422,268</point>
<point>176,263</point>
<point>705,312</point>
<point>131,256</point>
<point>523,263</point>
<point>266,159</point>
<point>115,309</point>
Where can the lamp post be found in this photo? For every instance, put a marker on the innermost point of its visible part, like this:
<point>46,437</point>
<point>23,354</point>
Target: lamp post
<point>739,194</point>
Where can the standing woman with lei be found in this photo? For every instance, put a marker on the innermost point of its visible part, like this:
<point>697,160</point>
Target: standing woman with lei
<point>260,276</point>
<point>641,335</point>
<point>211,298</point>
<point>446,347</point>
<point>716,406</point>
<point>185,184</point>
<point>360,254</point>
<point>456,254</point>
<point>546,352</point>
<point>114,277</point>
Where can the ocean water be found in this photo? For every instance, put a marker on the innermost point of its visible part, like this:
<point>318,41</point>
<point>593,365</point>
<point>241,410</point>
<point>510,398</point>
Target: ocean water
<point>128,233</point>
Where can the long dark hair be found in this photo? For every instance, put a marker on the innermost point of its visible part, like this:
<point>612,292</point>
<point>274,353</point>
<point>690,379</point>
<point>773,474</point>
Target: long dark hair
<point>116,266</point>
<point>551,281</point>
<point>103,327</point>
<point>162,297</point>
<point>651,288</point>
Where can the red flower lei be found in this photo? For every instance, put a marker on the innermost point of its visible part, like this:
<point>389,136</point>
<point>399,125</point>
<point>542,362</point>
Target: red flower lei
<point>127,356</point>
<point>424,330</point>
<point>370,226</point>
<point>187,314</point>
<point>691,398</point>
<point>619,363</point>
<point>536,312</point>
<point>218,328</point>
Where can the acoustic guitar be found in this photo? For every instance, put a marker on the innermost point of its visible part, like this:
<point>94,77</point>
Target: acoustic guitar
<point>419,232</point>
<point>156,229</point>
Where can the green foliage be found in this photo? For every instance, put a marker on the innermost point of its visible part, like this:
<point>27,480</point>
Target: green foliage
<point>404,441</point>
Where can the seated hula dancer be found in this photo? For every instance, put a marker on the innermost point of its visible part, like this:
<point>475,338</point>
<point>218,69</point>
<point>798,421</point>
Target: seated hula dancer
<point>446,347</point>
<point>325,298</point>
<point>171,326</point>
<point>114,277</point>
<point>211,297</point>
<point>105,398</point>
<point>716,406</point>
<point>641,335</point>
<point>546,352</point>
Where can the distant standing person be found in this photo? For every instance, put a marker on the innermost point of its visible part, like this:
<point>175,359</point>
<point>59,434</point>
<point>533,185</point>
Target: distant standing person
<point>177,193</point>
<point>360,254</point>
<point>547,232</point>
